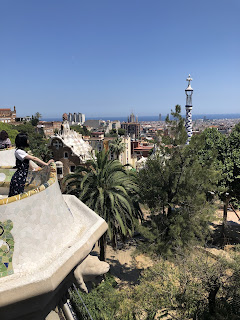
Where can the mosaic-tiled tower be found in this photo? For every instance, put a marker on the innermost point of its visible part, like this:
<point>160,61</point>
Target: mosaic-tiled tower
<point>189,92</point>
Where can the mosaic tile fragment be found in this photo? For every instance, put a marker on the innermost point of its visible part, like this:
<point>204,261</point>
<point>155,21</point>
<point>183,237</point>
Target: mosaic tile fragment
<point>6,249</point>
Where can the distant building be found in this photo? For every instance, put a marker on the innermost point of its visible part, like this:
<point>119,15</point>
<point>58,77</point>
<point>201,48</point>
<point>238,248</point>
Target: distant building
<point>99,135</point>
<point>108,125</point>
<point>93,124</point>
<point>132,118</point>
<point>224,129</point>
<point>132,127</point>
<point>102,125</point>
<point>98,142</point>
<point>141,150</point>
<point>23,119</point>
<point>76,118</point>
<point>105,126</point>
<point>69,148</point>
<point>49,127</point>
<point>116,124</point>
<point>7,115</point>
<point>126,156</point>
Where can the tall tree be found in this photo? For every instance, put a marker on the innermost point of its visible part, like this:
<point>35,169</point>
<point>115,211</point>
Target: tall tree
<point>226,151</point>
<point>177,134</point>
<point>108,189</point>
<point>174,184</point>
<point>38,115</point>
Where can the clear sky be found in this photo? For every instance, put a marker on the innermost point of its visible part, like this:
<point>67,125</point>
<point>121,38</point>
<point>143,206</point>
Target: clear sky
<point>112,57</point>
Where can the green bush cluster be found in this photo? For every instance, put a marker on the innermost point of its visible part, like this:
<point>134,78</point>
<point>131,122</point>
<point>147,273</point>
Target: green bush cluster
<point>12,132</point>
<point>193,285</point>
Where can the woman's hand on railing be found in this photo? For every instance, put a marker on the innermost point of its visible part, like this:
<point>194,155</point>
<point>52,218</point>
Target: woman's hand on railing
<point>50,161</point>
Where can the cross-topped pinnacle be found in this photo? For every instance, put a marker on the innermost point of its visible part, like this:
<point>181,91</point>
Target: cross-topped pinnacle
<point>189,79</point>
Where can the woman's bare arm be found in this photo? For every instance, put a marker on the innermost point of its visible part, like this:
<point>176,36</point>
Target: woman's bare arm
<point>39,161</point>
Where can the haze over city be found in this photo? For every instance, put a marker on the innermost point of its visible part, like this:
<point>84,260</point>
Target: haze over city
<point>109,58</point>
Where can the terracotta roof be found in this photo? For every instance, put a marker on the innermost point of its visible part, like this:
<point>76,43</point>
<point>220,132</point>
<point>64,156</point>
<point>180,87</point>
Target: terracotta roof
<point>95,139</point>
<point>109,138</point>
<point>6,109</point>
<point>143,148</point>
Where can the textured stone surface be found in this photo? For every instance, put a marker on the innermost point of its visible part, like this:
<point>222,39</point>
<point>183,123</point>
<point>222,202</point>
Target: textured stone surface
<point>7,157</point>
<point>42,224</point>
<point>89,269</point>
<point>52,234</point>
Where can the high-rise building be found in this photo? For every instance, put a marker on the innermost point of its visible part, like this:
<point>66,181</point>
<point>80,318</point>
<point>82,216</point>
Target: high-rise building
<point>132,118</point>
<point>76,118</point>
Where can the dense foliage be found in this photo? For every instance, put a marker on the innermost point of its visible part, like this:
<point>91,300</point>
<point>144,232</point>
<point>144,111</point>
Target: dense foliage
<point>121,132</point>
<point>112,133</point>
<point>177,199</point>
<point>185,282</point>
<point>177,134</point>
<point>225,153</point>
<point>82,130</point>
<point>195,285</point>
<point>102,302</point>
<point>116,132</point>
<point>12,132</point>
<point>174,184</point>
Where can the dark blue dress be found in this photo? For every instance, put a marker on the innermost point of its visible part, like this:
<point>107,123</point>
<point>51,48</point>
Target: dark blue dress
<point>18,180</point>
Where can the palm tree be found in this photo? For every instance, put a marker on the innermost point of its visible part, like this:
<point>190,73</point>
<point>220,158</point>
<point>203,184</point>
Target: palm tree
<point>108,189</point>
<point>38,115</point>
<point>117,146</point>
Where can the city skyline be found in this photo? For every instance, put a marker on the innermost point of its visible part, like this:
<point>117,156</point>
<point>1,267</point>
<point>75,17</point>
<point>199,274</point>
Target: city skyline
<point>113,58</point>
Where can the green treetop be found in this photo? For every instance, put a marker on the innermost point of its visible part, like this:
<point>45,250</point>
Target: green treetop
<point>117,146</point>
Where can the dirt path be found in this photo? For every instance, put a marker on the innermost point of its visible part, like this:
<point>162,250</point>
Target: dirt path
<point>124,266</point>
<point>233,230</point>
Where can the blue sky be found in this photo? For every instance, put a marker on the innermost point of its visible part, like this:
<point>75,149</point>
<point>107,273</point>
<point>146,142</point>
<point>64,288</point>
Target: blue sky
<point>112,57</point>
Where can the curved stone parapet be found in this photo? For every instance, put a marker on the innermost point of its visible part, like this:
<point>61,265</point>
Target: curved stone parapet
<point>7,157</point>
<point>51,234</point>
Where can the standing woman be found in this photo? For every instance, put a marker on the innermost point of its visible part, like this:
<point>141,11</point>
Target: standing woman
<point>18,180</point>
<point>5,142</point>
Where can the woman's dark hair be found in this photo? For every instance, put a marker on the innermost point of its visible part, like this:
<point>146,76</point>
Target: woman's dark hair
<point>21,141</point>
<point>3,135</point>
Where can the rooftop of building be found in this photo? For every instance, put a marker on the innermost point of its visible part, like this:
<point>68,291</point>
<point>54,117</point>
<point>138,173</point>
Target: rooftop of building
<point>74,141</point>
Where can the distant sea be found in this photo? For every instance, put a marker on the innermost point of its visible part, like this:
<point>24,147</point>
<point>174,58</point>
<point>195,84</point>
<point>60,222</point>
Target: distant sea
<point>156,118</point>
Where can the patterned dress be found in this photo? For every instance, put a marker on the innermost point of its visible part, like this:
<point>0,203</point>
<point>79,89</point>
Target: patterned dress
<point>18,180</point>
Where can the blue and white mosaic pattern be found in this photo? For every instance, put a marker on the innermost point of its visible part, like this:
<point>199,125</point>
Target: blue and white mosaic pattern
<point>189,123</point>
